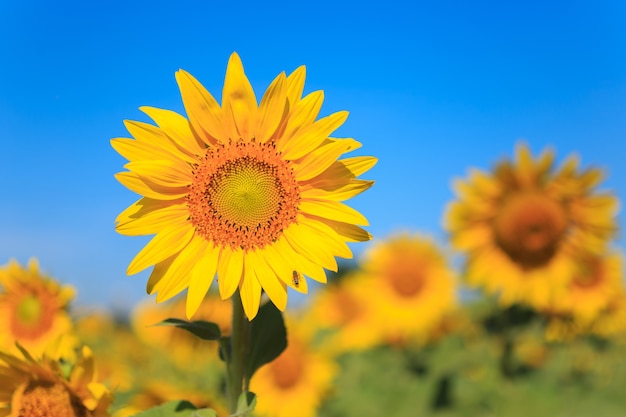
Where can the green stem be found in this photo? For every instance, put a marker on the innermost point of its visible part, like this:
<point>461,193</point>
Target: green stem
<point>239,341</point>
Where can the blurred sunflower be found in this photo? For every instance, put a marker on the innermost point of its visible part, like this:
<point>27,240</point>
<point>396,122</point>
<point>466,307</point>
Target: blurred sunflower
<point>179,343</point>
<point>31,388</point>
<point>523,225</point>
<point>597,282</point>
<point>296,382</point>
<point>343,315</point>
<point>120,354</point>
<point>411,285</point>
<point>34,311</point>
<point>250,192</point>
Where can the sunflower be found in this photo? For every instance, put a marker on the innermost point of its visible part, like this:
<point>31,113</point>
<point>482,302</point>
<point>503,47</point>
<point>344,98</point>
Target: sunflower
<point>523,225</point>
<point>296,382</point>
<point>31,388</point>
<point>120,354</point>
<point>250,192</point>
<point>598,281</point>
<point>413,285</point>
<point>34,311</point>
<point>343,316</point>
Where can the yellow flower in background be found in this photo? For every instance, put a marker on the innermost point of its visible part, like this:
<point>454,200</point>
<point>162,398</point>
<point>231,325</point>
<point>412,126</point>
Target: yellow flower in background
<point>36,388</point>
<point>343,314</point>
<point>598,280</point>
<point>250,192</point>
<point>180,344</point>
<point>296,382</point>
<point>120,354</point>
<point>611,321</point>
<point>523,225</point>
<point>34,311</point>
<point>412,286</point>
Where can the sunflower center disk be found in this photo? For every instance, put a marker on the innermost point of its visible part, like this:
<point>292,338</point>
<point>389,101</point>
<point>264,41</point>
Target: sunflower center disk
<point>348,307</point>
<point>33,316</point>
<point>29,310</point>
<point>287,369</point>
<point>243,195</point>
<point>49,399</point>
<point>406,280</point>
<point>247,194</point>
<point>530,228</point>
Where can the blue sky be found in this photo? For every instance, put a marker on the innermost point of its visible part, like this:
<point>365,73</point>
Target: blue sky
<point>433,88</point>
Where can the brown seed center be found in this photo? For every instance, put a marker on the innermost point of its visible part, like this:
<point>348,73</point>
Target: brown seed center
<point>243,195</point>
<point>46,398</point>
<point>529,228</point>
<point>288,368</point>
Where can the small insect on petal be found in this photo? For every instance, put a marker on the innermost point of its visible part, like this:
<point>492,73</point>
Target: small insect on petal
<point>296,279</point>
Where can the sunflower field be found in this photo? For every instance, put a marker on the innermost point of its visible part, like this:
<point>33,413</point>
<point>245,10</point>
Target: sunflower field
<point>520,311</point>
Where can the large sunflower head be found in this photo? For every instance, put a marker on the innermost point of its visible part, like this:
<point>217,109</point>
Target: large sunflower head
<point>34,311</point>
<point>523,225</point>
<point>251,192</point>
<point>414,286</point>
<point>34,388</point>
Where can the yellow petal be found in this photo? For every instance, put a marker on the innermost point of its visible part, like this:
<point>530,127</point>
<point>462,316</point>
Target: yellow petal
<point>333,210</point>
<point>311,269</point>
<point>275,289</point>
<point>272,109</point>
<point>179,273</point>
<point>310,137</point>
<point>158,272</point>
<point>299,262</point>
<point>149,189</point>
<point>295,85</point>
<point>151,222</point>
<point>349,232</point>
<point>205,115</point>
<point>140,207</point>
<point>229,271</point>
<point>283,266</point>
<point>136,150</point>
<point>250,290</point>
<point>166,243</point>
<point>166,173</point>
<point>202,277</point>
<point>156,140</point>
<point>302,113</point>
<point>323,233</point>
<point>337,193</point>
<point>177,128</point>
<point>316,162</point>
<point>238,101</point>
<point>342,171</point>
<point>304,242</point>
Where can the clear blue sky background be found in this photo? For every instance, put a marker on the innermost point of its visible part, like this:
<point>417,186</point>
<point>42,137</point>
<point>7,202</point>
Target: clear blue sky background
<point>433,88</point>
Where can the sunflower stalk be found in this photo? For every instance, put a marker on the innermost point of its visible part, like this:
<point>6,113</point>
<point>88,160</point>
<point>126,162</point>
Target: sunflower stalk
<point>237,382</point>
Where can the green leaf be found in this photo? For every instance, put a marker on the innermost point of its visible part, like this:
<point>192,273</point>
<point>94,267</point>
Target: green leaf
<point>245,404</point>
<point>268,338</point>
<point>205,330</point>
<point>180,408</point>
